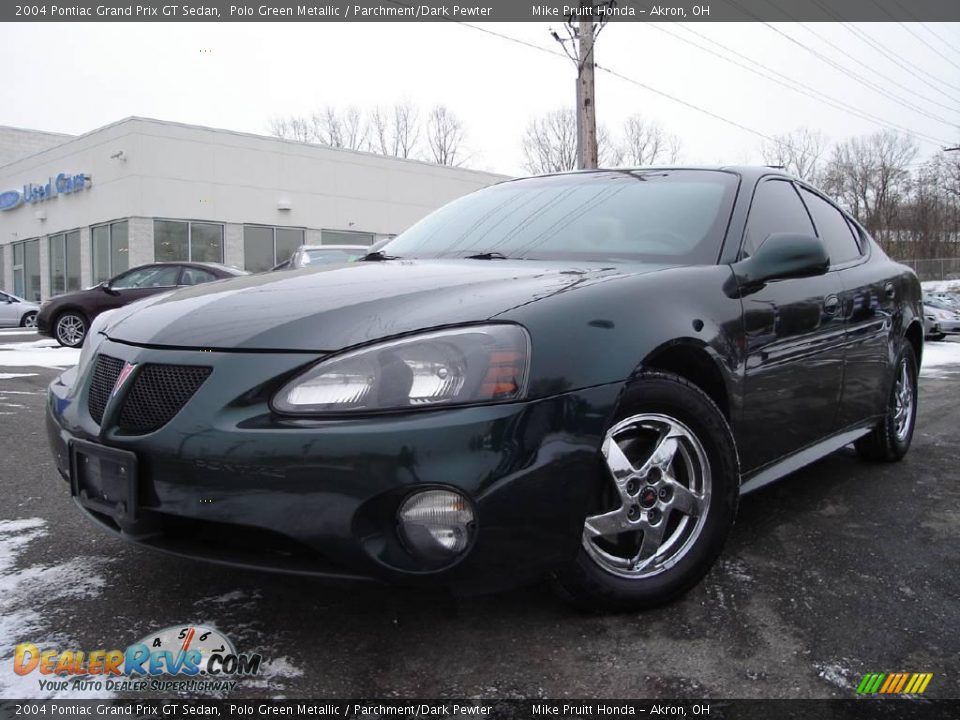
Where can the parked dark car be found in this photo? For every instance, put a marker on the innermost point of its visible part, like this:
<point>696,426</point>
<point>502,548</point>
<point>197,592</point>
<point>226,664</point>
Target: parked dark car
<point>66,318</point>
<point>573,375</point>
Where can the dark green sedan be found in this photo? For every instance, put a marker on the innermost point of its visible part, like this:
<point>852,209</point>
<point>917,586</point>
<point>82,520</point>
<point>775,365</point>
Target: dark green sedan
<point>573,376</point>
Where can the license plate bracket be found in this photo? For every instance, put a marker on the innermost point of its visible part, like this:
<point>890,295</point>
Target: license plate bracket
<point>104,479</point>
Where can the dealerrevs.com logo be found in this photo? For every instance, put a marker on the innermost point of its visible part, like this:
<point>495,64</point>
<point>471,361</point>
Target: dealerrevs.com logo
<point>192,658</point>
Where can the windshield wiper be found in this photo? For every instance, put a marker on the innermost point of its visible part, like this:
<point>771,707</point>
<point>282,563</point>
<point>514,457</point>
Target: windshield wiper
<point>492,255</point>
<point>377,256</point>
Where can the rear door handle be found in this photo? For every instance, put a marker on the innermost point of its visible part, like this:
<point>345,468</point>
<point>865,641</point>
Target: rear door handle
<point>831,305</point>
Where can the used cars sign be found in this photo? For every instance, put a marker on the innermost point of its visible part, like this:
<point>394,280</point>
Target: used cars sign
<point>62,184</point>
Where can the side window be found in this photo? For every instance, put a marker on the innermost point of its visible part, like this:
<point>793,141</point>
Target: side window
<point>196,276</point>
<point>776,208</point>
<point>148,277</point>
<point>833,229</point>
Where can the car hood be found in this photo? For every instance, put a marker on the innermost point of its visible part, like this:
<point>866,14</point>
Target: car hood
<point>330,308</point>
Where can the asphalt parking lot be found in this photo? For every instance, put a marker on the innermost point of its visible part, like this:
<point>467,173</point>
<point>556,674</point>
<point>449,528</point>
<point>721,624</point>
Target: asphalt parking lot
<point>843,568</point>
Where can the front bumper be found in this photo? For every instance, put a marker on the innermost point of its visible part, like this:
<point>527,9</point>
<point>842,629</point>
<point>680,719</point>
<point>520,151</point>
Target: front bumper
<point>227,480</point>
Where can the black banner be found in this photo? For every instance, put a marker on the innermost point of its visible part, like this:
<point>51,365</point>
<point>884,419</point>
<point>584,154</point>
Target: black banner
<point>483,10</point>
<point>580,709</point>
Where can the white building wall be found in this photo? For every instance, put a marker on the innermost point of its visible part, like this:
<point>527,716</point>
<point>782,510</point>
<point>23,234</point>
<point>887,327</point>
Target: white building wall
<point>17,143</point>
<point>145,169</point>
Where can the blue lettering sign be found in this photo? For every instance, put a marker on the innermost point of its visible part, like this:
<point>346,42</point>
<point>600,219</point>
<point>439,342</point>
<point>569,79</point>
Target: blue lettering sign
<point>10,199</point>
<point>63,184</point>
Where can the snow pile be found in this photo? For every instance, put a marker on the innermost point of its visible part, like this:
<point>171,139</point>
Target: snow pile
<point>30,600</point>
<point>940,360</point>
<point>39,353</point>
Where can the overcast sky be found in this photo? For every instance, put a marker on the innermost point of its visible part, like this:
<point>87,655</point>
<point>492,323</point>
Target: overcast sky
<point>76,77</point>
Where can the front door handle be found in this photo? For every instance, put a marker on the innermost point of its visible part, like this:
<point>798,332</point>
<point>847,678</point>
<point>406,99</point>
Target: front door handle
<point>831,305</point>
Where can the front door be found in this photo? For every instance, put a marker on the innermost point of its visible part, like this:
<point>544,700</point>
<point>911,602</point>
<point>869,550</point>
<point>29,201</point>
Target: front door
<point>794,342</point>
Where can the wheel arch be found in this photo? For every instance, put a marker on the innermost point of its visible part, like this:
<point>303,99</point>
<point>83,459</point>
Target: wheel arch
<point>692,360</point>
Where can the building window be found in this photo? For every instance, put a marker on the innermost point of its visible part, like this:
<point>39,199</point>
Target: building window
<point>196,241</point>
<point>265,247</point>
<point>26,270</point>
<point>110,250</point>
<point>345,237</point>
<point>64,262</point>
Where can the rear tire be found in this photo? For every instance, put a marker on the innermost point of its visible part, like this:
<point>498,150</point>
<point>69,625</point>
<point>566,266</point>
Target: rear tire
<point>670,476</point>
<point>890,440</point>
<point>70,329</point>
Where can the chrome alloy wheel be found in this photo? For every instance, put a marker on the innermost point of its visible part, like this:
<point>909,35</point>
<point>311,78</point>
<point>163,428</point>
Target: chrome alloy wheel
<point>661,486</point>
<point>903,401</point>
<point>30,321</point>
<point>70,330</point>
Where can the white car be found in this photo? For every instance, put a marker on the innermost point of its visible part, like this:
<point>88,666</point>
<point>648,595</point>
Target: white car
<point>17,312</point>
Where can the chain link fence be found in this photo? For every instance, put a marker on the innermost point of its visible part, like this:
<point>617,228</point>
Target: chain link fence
<point>935,268</point>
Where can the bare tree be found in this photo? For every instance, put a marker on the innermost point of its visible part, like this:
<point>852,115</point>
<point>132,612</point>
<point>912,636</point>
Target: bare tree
<point>799,152</point>
<point>340,129</point>
<point>406,130</point>
<point>550,142</point>
<point>871,176</point>
<point>646,143</point>
<point>293,127</point>
<point>444,136</point>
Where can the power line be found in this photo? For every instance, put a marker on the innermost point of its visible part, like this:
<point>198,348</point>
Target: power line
<point>837,66</point>
<point>872,69</point>
<point>806,89</point>
<point>645,86</point>
<point>859,33</point>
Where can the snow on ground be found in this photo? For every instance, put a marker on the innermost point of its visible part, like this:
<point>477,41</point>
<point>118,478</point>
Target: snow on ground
<point>940,359</point>
<point>17,331</point>
<point>31,598</point>
<point>38,353</point>
<point>941,286</point>
<point>11,376</point>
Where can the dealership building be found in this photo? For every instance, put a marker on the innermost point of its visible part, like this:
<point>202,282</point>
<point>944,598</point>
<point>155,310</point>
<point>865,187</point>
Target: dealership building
<point>75,211</point>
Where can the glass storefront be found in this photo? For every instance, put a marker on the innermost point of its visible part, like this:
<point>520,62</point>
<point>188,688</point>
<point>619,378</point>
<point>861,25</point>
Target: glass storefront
<point>110,250</point>
<point>26,269</point>
<point>265,247</point>
<point>178,240</point>
<point>64,262</point>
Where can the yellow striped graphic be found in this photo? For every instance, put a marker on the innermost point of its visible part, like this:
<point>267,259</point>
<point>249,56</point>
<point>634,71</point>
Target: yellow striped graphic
<point>894,683</point>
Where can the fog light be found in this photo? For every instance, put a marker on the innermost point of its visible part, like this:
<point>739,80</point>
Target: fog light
<point>436,524</point>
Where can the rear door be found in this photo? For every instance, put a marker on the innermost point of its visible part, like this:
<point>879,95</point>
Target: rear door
<point>794,342</point>
<point>868,299</point>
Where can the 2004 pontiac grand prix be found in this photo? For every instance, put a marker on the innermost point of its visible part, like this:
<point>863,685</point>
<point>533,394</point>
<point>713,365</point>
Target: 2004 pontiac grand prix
<point>572,376</point>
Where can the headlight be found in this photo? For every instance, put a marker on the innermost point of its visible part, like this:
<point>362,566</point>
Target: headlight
<point>483,363</point>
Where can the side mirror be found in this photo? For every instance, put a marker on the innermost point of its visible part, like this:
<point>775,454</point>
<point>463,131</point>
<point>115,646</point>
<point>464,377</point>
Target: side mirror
<point>782,256</point>
<point>9,300</point>
<point>105,286</point>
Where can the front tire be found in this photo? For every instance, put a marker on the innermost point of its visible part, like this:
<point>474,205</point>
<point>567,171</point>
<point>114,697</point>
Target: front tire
<point>70,329</point>
<point>29,320</point>
<point>890,440</point>
<point>667,497</point>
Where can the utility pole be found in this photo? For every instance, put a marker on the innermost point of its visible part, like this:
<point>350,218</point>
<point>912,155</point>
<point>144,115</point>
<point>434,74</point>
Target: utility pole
<point>586,94</point>
<point>582,34</point>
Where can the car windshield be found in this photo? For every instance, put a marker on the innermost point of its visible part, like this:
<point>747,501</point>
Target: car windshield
<point>668,216</point>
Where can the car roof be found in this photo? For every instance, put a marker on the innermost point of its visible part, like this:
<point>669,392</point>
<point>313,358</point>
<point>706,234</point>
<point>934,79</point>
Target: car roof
<point>192,263</point>
<point>747,172</point>
<point>333,247</point>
